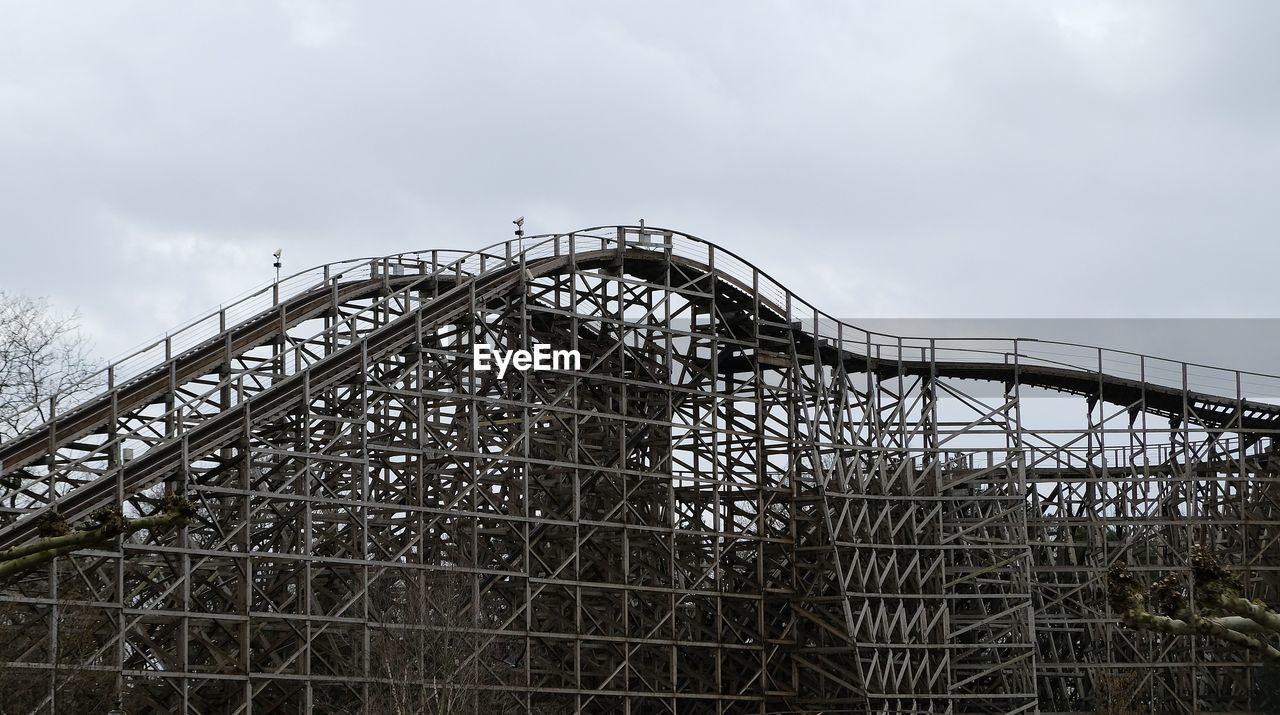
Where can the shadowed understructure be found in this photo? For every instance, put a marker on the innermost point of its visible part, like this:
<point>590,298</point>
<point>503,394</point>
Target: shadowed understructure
<point>737,505</point>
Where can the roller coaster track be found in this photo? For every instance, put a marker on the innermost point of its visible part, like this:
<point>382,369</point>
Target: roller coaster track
<point>271,327</point>
<point>191,418</point>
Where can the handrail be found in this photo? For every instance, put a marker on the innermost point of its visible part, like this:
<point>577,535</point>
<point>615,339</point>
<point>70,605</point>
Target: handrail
<point>410,271</point>
<point>16,452</point>
<point>145,358</point>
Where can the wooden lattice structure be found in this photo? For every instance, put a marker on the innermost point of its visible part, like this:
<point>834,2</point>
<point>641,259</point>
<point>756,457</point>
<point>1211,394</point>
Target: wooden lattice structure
<point>737,505</point>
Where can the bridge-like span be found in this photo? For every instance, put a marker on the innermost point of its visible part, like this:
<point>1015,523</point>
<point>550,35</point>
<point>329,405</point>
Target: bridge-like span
<point>738,505</point>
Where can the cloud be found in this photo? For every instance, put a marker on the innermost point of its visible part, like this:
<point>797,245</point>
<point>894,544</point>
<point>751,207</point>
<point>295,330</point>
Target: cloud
<point>967,159</point>
<point>314,24</point>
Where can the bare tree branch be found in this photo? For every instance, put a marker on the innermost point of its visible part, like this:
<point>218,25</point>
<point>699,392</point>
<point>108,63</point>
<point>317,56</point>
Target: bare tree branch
<point>45,363</point>
<point>1218,611</point>
<point>60,540</point>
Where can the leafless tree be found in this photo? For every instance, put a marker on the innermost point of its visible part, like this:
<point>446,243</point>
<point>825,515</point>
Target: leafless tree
<point>79,679</point>
<point>45,362</point>
<point>53,656</point>
<point>434,642</point>
<point>45,365</point>
<point>432,658</point>
<point>1118,693</point>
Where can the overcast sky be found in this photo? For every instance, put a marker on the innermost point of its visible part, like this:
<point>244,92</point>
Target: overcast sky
<point>1023,159</point>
